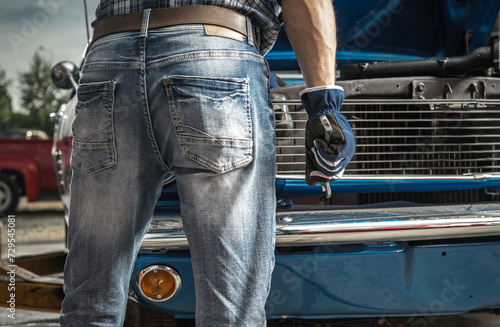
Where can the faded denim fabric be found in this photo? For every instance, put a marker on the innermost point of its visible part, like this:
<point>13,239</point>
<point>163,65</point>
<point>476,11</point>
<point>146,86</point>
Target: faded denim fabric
<point>172,100</point>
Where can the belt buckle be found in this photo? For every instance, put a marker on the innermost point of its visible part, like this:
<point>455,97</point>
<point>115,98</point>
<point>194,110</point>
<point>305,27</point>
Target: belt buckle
<point>216,30</point>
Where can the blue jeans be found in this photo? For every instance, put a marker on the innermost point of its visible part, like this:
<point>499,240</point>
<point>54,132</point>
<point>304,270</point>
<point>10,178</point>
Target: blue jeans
<point>172,100</point>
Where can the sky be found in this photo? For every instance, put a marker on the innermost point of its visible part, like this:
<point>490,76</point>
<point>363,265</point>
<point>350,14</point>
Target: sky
<point>54,28</point>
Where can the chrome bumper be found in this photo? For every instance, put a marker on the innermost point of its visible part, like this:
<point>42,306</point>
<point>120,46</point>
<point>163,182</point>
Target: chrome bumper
<point>320,226</point>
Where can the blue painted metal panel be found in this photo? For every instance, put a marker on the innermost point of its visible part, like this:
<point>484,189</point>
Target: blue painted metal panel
<point>402,280</point>
<point>288,189</point>
<point>299,188</point>
<point>359,280</point>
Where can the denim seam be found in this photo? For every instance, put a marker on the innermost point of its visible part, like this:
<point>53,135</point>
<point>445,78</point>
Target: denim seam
<point>168,29</point>
<point>205,55</point>
<point>152,138</point>
<point>146,110</point>
<point>175,118</point>
<point>93,145</point>
<point>224,142</point>
<point>219,169</point>
<point>113,36</point>
<point>249,115</point>
<point>102,166</point>
<point>112,65</point>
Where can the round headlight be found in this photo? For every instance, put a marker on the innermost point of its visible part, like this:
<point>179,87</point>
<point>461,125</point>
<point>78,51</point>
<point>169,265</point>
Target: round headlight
<point>159,283</point>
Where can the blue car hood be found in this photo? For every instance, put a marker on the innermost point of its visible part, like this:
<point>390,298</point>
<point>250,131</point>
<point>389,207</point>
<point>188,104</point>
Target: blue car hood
<point>383,30</point>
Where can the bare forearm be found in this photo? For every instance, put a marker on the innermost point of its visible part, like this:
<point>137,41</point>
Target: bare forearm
<point>310,26</point>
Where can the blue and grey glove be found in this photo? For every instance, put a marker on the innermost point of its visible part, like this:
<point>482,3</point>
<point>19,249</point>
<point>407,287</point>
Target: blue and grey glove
<point>330,141</point>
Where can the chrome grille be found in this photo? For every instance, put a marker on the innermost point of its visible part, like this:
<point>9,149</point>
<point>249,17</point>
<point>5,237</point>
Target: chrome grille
<point>410,137</point>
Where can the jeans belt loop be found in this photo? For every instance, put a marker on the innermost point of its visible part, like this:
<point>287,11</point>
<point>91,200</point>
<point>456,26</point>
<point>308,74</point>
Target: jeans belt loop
<point>145,23</point>
<point>250,35</point>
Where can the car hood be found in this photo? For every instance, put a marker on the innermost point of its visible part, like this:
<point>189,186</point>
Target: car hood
<point>383,30</point>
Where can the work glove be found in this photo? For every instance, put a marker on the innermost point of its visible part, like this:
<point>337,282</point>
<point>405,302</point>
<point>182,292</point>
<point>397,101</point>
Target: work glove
<point>330,141</point>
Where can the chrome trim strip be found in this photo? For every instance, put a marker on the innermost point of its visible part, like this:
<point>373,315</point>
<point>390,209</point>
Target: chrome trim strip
<point>398,177</point>
<point>388,231</point>
<point>440,102</point>
<point>290,75</point>
<point>322,227</point>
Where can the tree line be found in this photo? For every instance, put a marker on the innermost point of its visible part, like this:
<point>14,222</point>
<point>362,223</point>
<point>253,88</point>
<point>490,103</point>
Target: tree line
<point>38,97</point>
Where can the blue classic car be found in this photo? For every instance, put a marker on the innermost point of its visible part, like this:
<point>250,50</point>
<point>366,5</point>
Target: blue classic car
<point>413,227</point>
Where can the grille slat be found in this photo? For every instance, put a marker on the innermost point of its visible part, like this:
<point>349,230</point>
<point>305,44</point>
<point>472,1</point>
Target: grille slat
<point>421,138</point>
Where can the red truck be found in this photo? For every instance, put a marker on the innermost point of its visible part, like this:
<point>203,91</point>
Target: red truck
<point>26,168</point>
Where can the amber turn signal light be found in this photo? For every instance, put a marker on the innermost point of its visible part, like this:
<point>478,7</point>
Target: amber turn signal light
<point>159,283</point>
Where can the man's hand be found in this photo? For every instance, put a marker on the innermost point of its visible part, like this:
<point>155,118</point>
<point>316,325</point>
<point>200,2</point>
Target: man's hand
<point>330,141</point>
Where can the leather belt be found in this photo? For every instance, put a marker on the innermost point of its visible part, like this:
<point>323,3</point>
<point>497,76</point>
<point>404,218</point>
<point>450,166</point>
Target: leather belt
<point>164,17</point>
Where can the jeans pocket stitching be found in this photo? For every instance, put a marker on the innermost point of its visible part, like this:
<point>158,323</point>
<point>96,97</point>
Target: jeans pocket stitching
<point>242,146</point>
<point>84,145</point>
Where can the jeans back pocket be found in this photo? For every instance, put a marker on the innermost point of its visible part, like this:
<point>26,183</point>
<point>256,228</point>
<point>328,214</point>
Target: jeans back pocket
<point>212,120</point>
<point>93,132</point>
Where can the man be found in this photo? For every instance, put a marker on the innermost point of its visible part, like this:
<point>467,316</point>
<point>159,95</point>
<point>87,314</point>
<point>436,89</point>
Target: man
<point>187,92</point>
